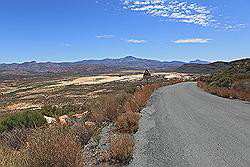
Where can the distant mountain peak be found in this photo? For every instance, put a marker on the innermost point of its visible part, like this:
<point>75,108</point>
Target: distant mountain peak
<point>30,62</point>
<point>129,58</point>
<point>198,61</point>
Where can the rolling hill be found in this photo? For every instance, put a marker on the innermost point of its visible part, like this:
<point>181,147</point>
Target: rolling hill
<point>203,68</point>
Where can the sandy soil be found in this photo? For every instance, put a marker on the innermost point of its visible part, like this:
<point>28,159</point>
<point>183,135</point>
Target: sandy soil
<point>28,96</point>
<point>106,78</point>
<point>20,106</point>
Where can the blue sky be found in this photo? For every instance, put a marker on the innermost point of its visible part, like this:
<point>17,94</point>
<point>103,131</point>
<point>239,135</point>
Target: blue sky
<point>71,30</point>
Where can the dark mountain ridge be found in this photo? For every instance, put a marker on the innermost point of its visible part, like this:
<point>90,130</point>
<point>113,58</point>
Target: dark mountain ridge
<point>129,60</point>
<point>209,68</point>
<point>197,61</point>
<point>126,62</point>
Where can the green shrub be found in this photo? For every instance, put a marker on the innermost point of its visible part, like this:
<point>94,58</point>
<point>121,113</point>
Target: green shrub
<point>71,113</point>
<point>130,89</point>
<point>2,128</point>
<point>97,136</point>
<point>51,111</point>
<point>225,82</point>
<point>27,119</point>
<point>70,108</point>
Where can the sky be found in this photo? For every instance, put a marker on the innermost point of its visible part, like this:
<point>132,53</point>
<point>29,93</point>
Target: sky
<point>73,30</point>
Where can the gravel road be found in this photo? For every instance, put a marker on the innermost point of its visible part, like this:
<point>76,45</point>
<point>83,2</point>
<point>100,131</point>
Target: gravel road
<point>185,126</point>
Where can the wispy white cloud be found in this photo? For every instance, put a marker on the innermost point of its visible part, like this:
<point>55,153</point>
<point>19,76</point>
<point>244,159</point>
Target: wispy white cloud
<point>136,41</point>
<point>193,40</point>
<point>183,11</point>
<point>177,11</point>
<point>234,27</point>
<point>105,36</point>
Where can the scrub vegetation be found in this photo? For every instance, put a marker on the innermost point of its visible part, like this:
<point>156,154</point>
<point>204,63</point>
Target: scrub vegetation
<point>233,82</point>
<point>26,139</point>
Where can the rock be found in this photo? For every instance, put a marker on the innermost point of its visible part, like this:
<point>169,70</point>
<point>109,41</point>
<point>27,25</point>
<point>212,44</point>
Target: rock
<point>49,119</point>
<point>62,119</point>
<point>90,124</point>
<point>78,116</point>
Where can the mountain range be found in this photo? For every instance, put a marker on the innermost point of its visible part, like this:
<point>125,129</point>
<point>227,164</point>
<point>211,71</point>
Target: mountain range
<point>126,61</point>
<point>89,66</point>
<point>133,61</point>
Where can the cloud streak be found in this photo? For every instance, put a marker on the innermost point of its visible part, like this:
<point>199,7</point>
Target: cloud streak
<point>136,41</point>
<point>105,36</point>
<point>185,12</point>
<point>182,11</point>
<point>193,40</point>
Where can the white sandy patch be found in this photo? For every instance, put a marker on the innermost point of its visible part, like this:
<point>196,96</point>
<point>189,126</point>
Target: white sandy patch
<point>21,106</point>
<point>98,80</point>
<point>107,78</point>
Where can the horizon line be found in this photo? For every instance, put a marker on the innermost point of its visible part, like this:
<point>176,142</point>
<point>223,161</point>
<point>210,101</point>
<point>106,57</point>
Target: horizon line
<point>73,61</point>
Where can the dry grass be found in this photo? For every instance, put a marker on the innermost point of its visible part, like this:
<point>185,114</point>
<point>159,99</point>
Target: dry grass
<point>128,122</point>
<point>113,104</point>
<point>63,146</point>
<point>15,138</point>
<point>54,146</point>
<point>225,92</point>
<point>83,133</point>
<point>107,108</point>
<point>140,98</point>
<point>122,146</point>
<point>9,157</point>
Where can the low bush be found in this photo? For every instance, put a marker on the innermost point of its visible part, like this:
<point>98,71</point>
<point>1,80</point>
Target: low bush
<point>127,122</point>
<point>27,119</point>
<point>111,108</point>
<point>225,92</point>
<point>83,133</point>
<point>233,82</point>
<point>55,146</point>
<point>130,89</point>
<point>71,108</point>
<point>122,146</point>
<point>9,157</point>
<point>243,85</point>
<point>2,128</point>
<point>107,108</point>
<point>15,138</point>
<point>97,136</point>
<point>140,98</point>
<point>71,113</point>
<point>225,82</point>
<point>51,111</point>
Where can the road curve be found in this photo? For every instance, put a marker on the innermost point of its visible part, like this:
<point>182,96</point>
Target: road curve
<point>185,126</point>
